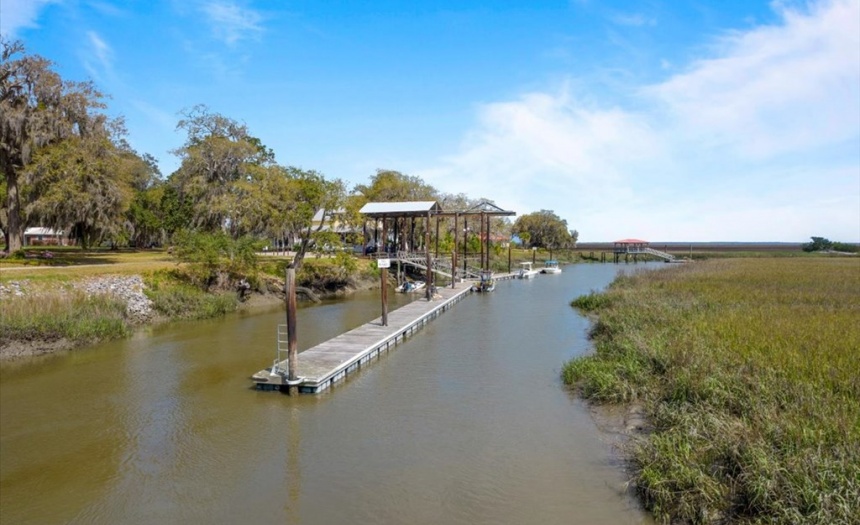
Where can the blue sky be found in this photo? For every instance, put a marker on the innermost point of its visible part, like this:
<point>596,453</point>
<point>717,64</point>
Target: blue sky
<point>664,120</point>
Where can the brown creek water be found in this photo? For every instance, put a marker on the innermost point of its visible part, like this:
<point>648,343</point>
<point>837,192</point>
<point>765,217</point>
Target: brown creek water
<point>466,422</point>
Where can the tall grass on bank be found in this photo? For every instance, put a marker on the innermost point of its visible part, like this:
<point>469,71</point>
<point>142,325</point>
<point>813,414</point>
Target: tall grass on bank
<point>72,316</point>
<point>748,371</point>
<point>175,298</point>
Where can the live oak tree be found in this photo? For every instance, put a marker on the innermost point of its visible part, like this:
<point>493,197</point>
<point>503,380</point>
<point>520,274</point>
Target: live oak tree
<point>145,218</point>
<point>86,181</point>
<point>393,186</point>
<point>37,109</point>
<point>543,229</point>
<point>219,158</point>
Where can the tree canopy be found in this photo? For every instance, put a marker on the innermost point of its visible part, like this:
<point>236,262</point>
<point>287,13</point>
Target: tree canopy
<point>543,229</point>
<point>218,158</point>
<point>37,109</point>
<point>393,186</point>
<point>66,165</point>
<point>820,244</point>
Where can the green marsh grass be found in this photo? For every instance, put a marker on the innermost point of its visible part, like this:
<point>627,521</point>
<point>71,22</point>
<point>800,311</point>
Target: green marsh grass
<point>71,316</point>
<point>174,297</point>
<point>749,371</point>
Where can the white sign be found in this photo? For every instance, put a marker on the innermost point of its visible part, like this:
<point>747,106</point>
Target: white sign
<point>383,263</point>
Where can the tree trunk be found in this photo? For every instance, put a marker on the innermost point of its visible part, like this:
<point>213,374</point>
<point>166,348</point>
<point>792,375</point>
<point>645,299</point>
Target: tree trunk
<point>85,237</point>
<point>14,232</point>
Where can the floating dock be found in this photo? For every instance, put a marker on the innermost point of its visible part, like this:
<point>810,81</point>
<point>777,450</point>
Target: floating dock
<point>332,361</point>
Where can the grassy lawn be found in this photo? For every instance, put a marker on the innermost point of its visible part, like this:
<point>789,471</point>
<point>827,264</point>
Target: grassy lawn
<point>72,263</point>
<point>748,371</point>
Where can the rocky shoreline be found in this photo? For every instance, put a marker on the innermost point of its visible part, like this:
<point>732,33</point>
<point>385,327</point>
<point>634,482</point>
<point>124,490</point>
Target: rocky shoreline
<point>127,288</point>
<point>139,308</point>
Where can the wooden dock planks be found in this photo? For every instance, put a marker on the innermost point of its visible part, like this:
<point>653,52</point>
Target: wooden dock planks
<point>331,361</point>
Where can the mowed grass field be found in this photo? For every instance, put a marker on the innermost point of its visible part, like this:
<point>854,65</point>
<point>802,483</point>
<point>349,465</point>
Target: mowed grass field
<point>749,371</point>
<point>72,263</point>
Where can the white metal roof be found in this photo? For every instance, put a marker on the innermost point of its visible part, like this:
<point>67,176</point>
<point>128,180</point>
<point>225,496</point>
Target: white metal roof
<point>379,208</point>
<point>42,231</point>
<point>318,216</point>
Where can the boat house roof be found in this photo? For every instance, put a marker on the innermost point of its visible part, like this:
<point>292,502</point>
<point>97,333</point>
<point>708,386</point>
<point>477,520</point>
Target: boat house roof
<point>631,241</point>
<point>400,209</point>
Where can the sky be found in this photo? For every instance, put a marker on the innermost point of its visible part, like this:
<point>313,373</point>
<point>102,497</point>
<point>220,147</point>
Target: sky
<point>664,120</point>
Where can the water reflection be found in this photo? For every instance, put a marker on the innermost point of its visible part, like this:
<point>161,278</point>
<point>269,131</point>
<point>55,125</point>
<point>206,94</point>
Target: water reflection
<point>464,423</point>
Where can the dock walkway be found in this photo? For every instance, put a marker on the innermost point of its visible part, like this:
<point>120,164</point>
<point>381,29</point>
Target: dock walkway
<point>329,362</point>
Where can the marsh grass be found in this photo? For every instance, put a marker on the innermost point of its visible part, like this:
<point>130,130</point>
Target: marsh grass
<point>174,297</point>
<point>72,316</point>
<point>748,369</point>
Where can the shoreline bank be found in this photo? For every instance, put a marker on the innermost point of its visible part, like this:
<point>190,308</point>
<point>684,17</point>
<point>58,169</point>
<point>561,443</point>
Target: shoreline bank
<point>138,309</point>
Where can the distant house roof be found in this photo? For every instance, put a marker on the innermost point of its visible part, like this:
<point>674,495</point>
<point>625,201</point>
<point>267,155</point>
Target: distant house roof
<point>42,231</point>
<point>318,216</point>
<point>631,241</point>
<point>402,209</point>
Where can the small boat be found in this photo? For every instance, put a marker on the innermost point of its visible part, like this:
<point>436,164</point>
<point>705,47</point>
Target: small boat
<point>527,272</point>
<point>486,284</point>
<point>411,286</point>
<point>551,267</point>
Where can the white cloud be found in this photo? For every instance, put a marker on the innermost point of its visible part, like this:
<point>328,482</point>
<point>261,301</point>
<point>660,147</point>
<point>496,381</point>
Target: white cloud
<point>760,141</point>
<point>633,19</point>
<point>107,9</point>
<point>231,22</point>
<point>98,60</point>
<point>21,14</point>
<point>774,89</point>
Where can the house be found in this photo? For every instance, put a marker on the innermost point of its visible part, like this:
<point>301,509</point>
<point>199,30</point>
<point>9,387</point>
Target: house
<point>333,223</point>
<point>41,236</point>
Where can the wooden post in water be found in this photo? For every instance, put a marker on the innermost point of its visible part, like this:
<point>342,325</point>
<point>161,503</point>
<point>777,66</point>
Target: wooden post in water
<point>383,275</point>
<point>292,338</point>
<point>480,235</point>
<point>509,256</point>
<point>465,243</point>
<point>488,244</point>
<point>429,280</point>
<point>454,252</point>
<point>437,236</point>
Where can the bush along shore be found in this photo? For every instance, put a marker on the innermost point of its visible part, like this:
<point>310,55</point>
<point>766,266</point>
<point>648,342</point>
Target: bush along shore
<point>39,316</point>
<point>747,371</point>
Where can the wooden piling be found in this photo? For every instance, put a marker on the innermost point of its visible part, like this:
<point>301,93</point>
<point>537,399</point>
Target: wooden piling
<point>383,273</point>
<point>429,279</point>
<point>292,337</point>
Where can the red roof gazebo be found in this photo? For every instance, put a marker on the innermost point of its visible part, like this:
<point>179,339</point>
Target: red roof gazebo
<point>630,245</point>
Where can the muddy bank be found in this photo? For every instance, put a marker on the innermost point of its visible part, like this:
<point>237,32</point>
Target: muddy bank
<point>18,349</point>
<point>140,310</point>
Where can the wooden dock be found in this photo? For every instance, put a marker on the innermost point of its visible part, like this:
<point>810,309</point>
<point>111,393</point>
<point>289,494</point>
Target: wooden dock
<point>327,363</point>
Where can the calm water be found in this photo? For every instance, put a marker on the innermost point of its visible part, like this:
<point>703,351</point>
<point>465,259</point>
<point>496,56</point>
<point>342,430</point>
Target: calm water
<point>467,422</point>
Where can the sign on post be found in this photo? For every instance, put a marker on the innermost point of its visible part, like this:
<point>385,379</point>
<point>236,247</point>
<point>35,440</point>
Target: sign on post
<point>383,263</point>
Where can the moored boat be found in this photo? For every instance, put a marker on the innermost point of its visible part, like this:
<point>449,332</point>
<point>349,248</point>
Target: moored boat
<point>551,267</point>
<point>411,286</point>
<point>486,284</point>
<point>527,272</point>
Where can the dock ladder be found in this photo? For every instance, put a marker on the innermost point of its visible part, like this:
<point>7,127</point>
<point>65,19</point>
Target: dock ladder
<point>282,352</point>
